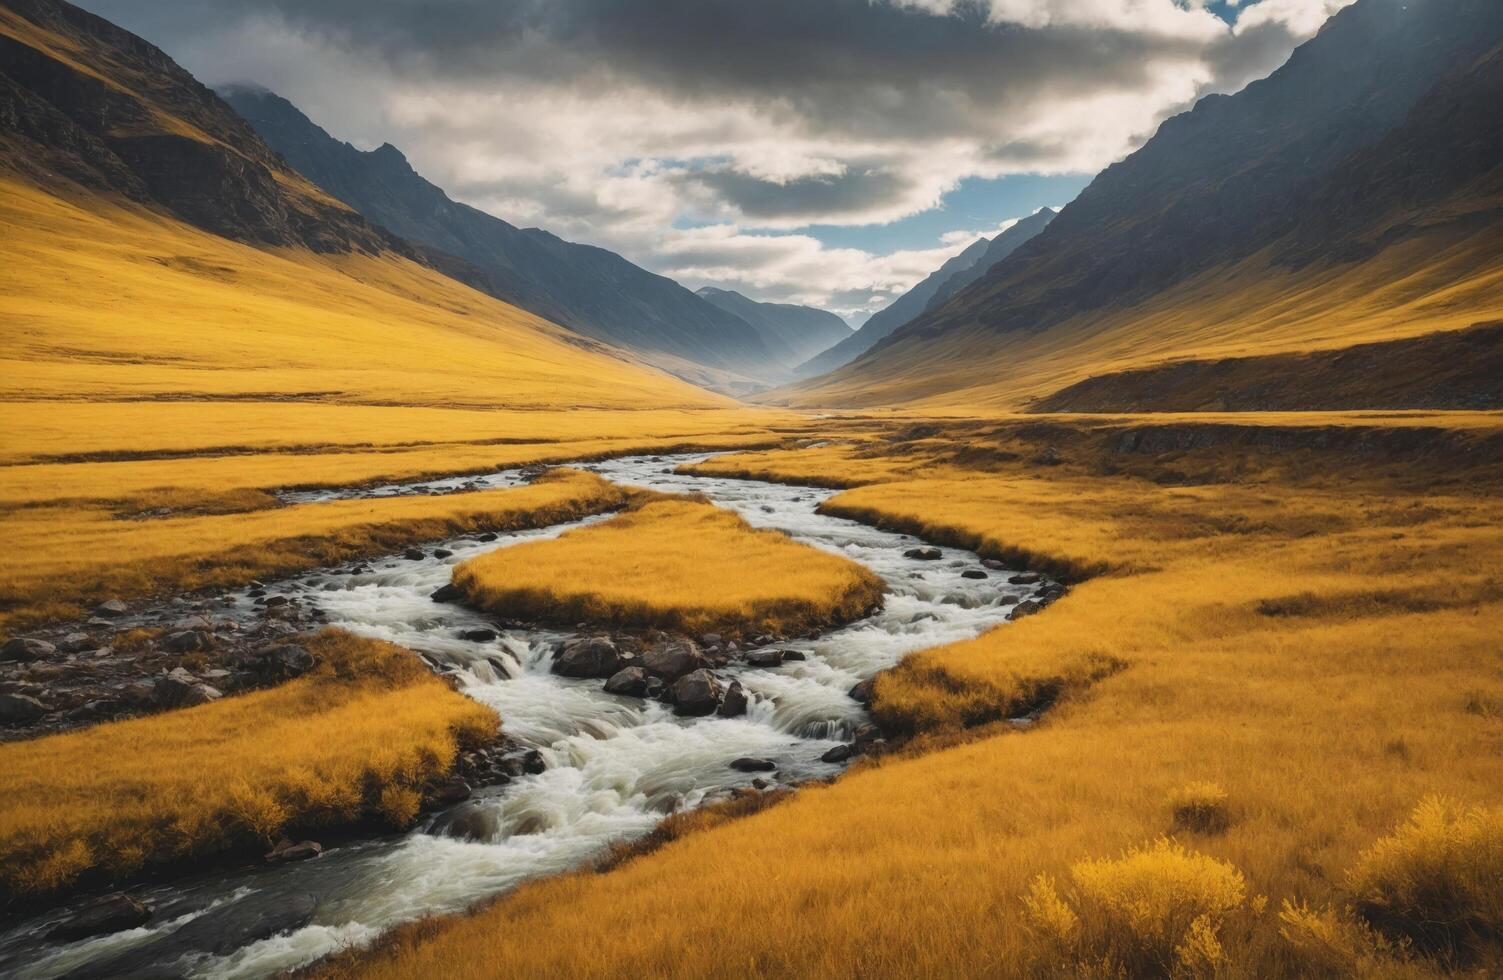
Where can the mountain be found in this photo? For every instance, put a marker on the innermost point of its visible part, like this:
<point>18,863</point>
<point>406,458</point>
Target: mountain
<point>155,251</point>
<point>792,333</point>
<point>1350,197</point>
<point>944,282</point>
<point>999,248</point>
<point>590,290</point>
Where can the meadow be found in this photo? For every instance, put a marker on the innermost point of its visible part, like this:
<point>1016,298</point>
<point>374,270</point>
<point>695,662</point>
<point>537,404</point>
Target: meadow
<point>355,739</point>
<point>673,564</point>
<point>1273,750</point>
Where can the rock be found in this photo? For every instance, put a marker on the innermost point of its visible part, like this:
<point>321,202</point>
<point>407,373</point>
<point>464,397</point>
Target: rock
<point>414,554</point>
<point>180,689</point>
<point>1025,578</point>
<point>188,641</point>
<point>628,681</point>
<point>138,695</point>
<point>533,762</point>
<point>479,635</point>
<point>696,693</point>
<point>487,537</point>
<point>839,753</point>
<point>111,609</point>
<point>747,764</point>
<point>993,564</point>
<point>272,601</point>
<point>446,593</point>
<point>865,736</point>
<point>282,661</point>
<point>25,649</point>
<point>77,643</point>
<point>711,640</point>
<point>765,658</point>
<point>442,553</point>
<point>20,709</point>
<point>862,692</point>
<point>734,704</point>
<point>673,659</point>
<point>286,850</point>
<point>97,916</point>
<point>974,573</point>
<point>471,822</point>
<point>452,791</point>
<point>1025,608</point>
<point>760,783</point>
<point>91,710</point>
<point>789,655</point>
<point>596,656</point>
<point>923,554</point>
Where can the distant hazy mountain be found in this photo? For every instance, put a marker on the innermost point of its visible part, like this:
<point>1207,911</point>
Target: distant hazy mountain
<point>999,248</point>
<point>590,290</point>
<point>792,333</point>
<point>1351,196</point>
<point>944,282</point>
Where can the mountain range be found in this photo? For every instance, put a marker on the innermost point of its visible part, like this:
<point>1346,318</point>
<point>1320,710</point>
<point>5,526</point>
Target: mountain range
<point>960,270</point>
<point>1352,196</point>
<point>792,333</point>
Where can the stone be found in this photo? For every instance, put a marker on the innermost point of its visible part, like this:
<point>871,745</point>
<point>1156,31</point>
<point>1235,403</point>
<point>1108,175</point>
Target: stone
<point>414,554</point>
<point>839,753</point>
<point>286,850</point>
<point>673,659</point>
<point>765,658</point>
<point>533,762</point>
<point>452,791</point>
<point>188,641</point>
<point>487,537</point>
<point>696,693</point>
<point>993,564</point>
<point>595,656</point>
<point>272,601</point>
<point>479,635</point>
<point>100,915</point>
<point>470,822</point>
<point>789,655</point>
<point>1025,578</point>
<point>282,661</point>
<point>20,709</point>
<point>735,703</point>
<point>760,783</point>
<point>25,649</point>
<point>180,689</point>
<point>923,554</point>
<point>446,593</point>
<point>711,640</point>
<point>111,609</point>
<point>77,643</point>
<point>1025,608</point>
<point>974,573</point>
<point>442,553</point>
<point>862,692</point>
<point>747,764</point>
<point>865,735</point>
<point>628,681</point>
<point>138,695</point>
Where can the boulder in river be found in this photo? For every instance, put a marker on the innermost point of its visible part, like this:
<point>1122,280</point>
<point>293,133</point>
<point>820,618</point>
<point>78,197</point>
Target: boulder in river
<point>99,915</point>
<point>446,593</point>
<point>673,659</point>
<point>1025,608</point>
<point>765,658</point>
<point>862,692</point>
<point>414,554</point>
<point>923,554</point>
<point>734,704</point>
<point>696,693</point>
<point>839,753</point>
<point>479,635</point>
<point>26,649</point>
<point>628,681</point>
<point>20,709</point>
<point>595,656</point>
<point>748,764</point>
<point>111,609</point>
<point>974,573</point>
<point>993,564</point>
<point>286,850</point>
<point>1025,578</point>
<point>180,689</point>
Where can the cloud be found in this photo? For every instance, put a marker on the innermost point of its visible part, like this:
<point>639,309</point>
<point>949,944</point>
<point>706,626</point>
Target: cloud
<point>635,124</point>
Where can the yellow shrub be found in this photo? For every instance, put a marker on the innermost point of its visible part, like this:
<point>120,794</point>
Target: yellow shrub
<point>1437,879</point>
<point>1328,943</point>
<point>1155,911</point>
<point>1200,806</point>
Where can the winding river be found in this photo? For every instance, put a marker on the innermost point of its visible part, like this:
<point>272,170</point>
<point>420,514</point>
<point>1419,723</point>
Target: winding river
<point>615,765</point>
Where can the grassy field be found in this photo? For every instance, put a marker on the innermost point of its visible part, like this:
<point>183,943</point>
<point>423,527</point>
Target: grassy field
<point>355,739</point>
<point>1275,751</point>
<point>673,564</point>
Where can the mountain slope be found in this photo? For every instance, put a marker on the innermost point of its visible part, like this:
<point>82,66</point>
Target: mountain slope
<point>1320,238</point>
<point>590,290</point>
<point>792,333</point>
<point>997,249</point>
<point>892,316</point>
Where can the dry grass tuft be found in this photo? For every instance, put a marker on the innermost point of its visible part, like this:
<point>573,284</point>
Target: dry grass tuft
<point>1200,807</point>
<point>674,564</point>
<point>1437,879</point>
<point>355,739</point>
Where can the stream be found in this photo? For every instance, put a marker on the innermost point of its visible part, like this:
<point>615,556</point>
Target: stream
<point>615,765</point>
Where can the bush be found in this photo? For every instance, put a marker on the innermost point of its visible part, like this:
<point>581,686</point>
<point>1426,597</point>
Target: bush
<point>1156,911</point>
<point>1437,879</point>
<point>1328,943</point>
<point>1200,807</point>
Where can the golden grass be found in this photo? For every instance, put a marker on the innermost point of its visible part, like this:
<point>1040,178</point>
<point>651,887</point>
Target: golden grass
<point>673,564</point>
<point>66,556</point>
<point>355,739</point>
<point>1184,654</point>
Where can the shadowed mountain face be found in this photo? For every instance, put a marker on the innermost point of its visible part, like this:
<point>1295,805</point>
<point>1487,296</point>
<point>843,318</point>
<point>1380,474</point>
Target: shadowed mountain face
<point>792,333</point>
<point>590,290</point>
<point>1376,132</point>
<point>86,102</point>
<point>948,279</point>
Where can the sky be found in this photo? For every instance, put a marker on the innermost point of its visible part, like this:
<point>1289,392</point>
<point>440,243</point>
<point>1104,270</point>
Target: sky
<point>829,152</point>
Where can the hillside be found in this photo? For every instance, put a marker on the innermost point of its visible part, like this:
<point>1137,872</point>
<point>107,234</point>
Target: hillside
<point>590,290</point>
<point>791,332</point>
<point>1355,194</point>
<point>997,249</point>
